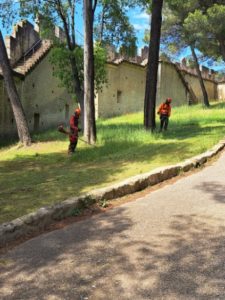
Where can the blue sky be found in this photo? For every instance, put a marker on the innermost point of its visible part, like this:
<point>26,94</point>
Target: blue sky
<point>139,19</point>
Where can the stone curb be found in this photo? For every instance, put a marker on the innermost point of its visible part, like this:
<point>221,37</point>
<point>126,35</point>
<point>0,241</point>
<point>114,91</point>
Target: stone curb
<point>44,216</point>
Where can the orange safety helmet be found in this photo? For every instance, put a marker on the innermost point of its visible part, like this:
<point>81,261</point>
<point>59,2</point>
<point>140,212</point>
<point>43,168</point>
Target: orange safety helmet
<point>77,111</point>
<point>169,100</point>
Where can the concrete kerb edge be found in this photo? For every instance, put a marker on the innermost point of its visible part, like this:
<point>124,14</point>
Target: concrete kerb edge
<point>44,216</point>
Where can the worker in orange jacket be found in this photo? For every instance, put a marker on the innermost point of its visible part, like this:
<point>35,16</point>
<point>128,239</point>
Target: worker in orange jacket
<point>73,135</point>
<point>164,113</point>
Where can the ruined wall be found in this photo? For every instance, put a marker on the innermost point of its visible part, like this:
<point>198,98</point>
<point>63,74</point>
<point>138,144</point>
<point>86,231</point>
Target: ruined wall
<point>22,39</point>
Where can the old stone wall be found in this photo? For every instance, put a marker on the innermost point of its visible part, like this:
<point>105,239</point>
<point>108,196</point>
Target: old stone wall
<point>124,91</point>
<point>46,105</point>
<point>7,121</point>
<point>22,39</point>
<point>170,85</point>
<point>221,91</point>
<point>210,85</point>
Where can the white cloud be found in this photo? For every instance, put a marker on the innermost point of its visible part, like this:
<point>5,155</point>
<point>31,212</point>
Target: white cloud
<point>140,26</point>
<point>142,15</point>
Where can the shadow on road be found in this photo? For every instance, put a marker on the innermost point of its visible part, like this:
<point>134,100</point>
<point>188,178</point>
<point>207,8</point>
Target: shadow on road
<point>98,259</point>
<point>215,189</point>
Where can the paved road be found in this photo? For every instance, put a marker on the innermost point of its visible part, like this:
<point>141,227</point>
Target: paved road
<point>169,244</point>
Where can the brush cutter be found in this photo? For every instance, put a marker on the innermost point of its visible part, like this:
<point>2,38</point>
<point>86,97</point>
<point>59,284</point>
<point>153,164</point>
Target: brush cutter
<point>63,130</point>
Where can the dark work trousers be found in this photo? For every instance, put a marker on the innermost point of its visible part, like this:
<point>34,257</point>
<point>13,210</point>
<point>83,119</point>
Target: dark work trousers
<point>72,146</point>
<point>73,137</point>
<point>164,121</point>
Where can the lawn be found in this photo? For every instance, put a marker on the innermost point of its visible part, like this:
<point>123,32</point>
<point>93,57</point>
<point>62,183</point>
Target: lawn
<point>44,174</point>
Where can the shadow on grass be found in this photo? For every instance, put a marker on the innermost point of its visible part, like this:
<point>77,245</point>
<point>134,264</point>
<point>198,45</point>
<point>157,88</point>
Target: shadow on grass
<point>5,143</point>
<point>102,258</point>
<point>185,131</point>
<point>29,183</point>
<point>176,130</point>
<point>215,105</point>
<point>46,136</point>
<point>49,136</point>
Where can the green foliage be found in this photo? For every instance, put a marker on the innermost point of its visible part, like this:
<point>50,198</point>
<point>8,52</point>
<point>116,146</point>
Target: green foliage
<point>196,22</point>
<point>9,12</point>
<point>113,26</point>
<point>103,203</point>
<point>174,36</point>
<point>75,212</point>
<point>100,57</point>
<point>208,28</point>
<point>60,59</point>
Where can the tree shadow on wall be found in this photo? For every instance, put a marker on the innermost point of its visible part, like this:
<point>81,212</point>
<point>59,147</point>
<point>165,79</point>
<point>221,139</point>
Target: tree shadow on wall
<point>97,259</point>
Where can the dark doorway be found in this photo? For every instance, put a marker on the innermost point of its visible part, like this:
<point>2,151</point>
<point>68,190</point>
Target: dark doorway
<point>36,122</point>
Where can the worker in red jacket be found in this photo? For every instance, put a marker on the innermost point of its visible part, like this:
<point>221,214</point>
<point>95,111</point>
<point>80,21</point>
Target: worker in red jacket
<point>73,136</point>
<point>164,113</point>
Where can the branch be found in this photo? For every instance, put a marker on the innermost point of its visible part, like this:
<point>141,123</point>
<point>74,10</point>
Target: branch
<point>72,9</point>
<point>94,7</point>
<point>63,18</point>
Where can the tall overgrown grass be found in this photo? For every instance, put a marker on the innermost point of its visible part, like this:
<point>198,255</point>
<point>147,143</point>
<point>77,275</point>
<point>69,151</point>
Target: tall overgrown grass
<point>43,174</point>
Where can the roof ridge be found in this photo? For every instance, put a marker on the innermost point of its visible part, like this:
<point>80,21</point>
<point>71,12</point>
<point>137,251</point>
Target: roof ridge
<point>25,64</point>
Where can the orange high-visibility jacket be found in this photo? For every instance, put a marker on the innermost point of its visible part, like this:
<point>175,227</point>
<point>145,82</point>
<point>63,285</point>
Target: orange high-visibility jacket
<point>164,109</point>
<point>74,121</point>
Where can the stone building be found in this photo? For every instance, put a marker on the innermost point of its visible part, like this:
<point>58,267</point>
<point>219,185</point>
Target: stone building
<point>46,104</point>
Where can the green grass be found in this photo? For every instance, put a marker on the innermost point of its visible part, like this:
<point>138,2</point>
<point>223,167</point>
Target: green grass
<point>43,174</point>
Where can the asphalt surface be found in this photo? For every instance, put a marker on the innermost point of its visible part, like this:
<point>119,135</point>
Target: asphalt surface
<point>169,244</point>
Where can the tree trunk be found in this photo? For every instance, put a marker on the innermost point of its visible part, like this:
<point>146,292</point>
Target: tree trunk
<point>21,122</point>
<point>152,68</point>
<point>78,91</point>
<point>102,23</point>
<point>222,47</point>
<point>204,92</point>
<point>89,112</point>
<point>71,43</point>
